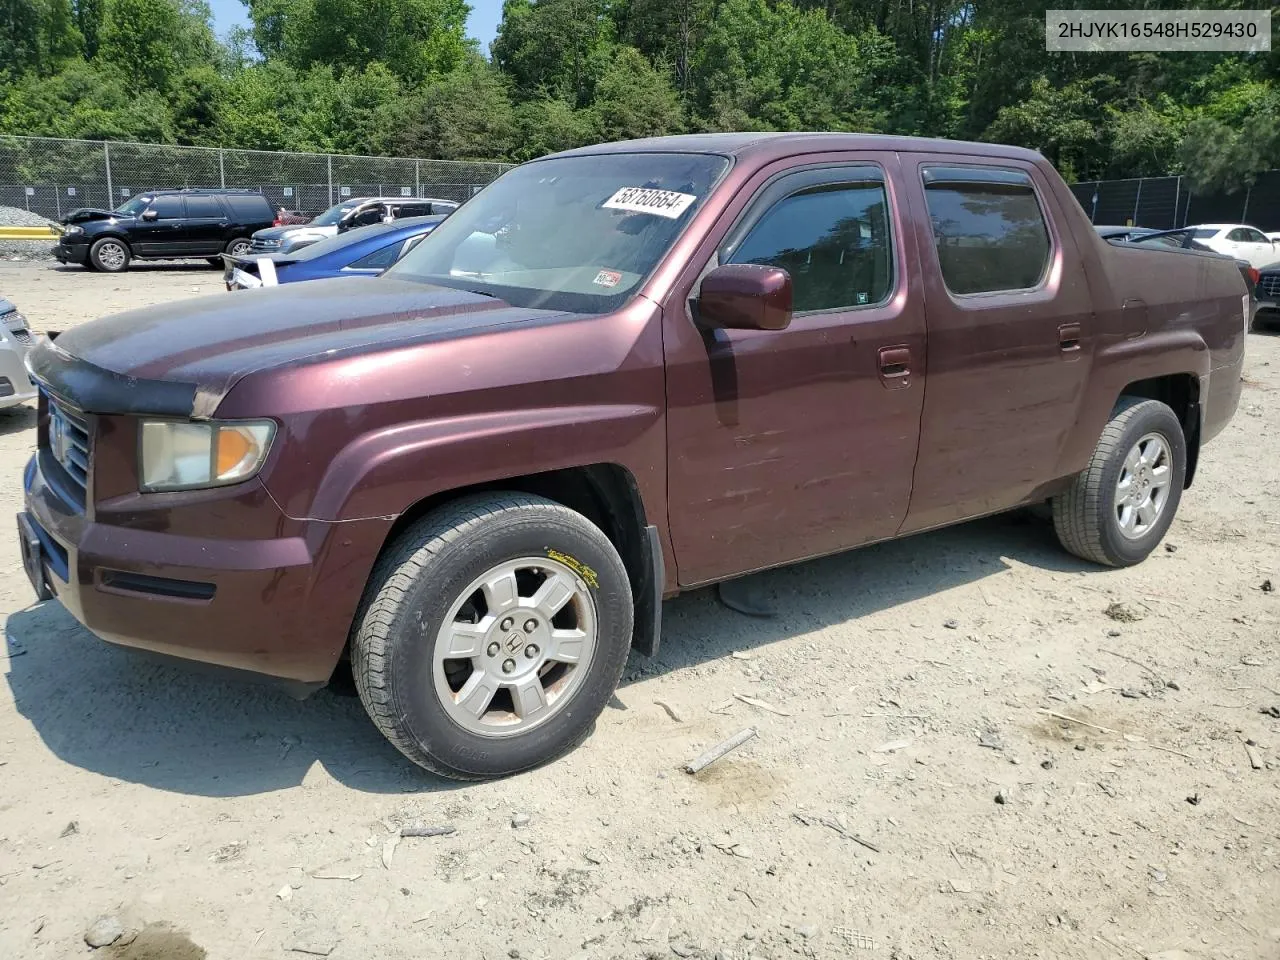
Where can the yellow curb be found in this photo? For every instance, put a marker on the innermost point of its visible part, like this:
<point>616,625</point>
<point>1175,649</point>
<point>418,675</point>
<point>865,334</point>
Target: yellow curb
<point>27,233</point>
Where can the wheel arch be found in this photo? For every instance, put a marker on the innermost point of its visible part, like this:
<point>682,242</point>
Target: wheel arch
<point>1181,393</point>
<point>608,495</point>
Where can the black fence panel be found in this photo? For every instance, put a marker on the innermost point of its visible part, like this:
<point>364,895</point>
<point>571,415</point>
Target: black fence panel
<point>1164,203</point>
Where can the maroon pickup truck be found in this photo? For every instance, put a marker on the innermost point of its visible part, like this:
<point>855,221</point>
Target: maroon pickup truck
<point>617,373</point>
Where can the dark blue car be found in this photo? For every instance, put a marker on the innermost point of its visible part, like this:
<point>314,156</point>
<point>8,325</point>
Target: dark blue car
<point>364,252</point>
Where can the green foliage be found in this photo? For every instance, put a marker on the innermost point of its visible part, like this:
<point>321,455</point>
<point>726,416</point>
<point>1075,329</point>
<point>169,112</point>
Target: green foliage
<point>399,76</point>
<point>634,100</point>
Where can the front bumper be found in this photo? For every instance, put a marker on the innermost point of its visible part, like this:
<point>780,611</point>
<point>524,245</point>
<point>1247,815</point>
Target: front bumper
<point>15,385</point>
<point>71,252</point>
<point>277,607</point>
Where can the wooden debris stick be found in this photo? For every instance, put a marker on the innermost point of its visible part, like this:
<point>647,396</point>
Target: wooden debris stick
<point>720,750</point>
<point>418,830</point>
<point>761,704</point>
<point>1083,723</point>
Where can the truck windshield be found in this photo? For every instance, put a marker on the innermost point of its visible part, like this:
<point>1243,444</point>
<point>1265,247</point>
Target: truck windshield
<point>572,233</point>
<point>335,213</point>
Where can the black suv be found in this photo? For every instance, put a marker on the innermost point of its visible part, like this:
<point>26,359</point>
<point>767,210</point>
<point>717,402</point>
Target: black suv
<point>164,225</point>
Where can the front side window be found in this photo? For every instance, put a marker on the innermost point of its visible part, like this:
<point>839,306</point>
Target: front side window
<point>167,208</point>
<point>988,227</point>
<point>832,238</point>
<point>575,233</point>
<point>1255,236</point>
<point>133,206</point>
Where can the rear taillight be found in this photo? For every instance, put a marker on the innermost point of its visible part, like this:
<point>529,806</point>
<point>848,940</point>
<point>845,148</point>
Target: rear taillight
<point>1254,275</point>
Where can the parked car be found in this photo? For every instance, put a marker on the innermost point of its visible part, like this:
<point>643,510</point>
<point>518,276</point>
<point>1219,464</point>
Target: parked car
<point>344,216</point>
<point>359,253</point>
<point>1273,236</point>
<point>1268,291</point>
<point>15,340</point>
<point>290,218</point>
<point>615,374</point>
<point>1239,240</point>
<point>163,225</point>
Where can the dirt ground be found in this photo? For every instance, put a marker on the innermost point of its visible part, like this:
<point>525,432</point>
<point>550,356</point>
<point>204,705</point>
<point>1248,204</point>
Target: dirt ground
<point>911,793</point>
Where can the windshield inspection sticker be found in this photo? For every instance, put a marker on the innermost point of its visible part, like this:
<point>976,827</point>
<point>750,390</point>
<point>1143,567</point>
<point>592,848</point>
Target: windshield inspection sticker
<point>608,278</point>
<point>661,203</point>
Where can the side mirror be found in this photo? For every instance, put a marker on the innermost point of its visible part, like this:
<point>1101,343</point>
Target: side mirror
<point>149,215</point>
<point>745,296</point>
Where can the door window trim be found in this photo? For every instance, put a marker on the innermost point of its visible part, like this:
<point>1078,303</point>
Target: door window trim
<point>788,183</point>
<point>979,174</point>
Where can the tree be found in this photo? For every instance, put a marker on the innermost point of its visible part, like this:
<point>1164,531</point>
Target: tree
<point>412,38</point>
<point>463,115</point>
<point>145,57</point>
<point>554,48</point>
<point>634,100</point>
<point>1060,122</point>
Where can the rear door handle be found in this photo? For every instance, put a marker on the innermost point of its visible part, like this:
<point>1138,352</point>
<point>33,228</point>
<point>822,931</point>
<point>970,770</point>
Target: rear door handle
<point>895,367</point>
<point>1069,337</point>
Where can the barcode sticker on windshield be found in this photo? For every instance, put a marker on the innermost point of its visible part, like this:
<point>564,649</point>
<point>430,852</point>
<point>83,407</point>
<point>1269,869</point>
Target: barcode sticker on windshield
<point>661,203</point>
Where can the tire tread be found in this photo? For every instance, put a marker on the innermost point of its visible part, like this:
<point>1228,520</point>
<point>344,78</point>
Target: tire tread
<point>399,566</point>
<point>1077,513</point>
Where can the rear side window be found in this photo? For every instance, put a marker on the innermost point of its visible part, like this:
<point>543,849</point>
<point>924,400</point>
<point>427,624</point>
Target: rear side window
<point>1203,234</point>
<point>988,227</point>
<point>413,210</point>
<point>833,238</point>
<point>167,208</point>
<point>207,207</point>
<point>250,207</point>
<point>380,259</point>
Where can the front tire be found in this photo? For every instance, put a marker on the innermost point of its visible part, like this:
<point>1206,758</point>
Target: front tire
<point>110,255</point>
<point>1121,505</point>
<point>493,632</point>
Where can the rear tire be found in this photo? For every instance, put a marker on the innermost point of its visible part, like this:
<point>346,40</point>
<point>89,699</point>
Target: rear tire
<point>110,255</point>
<point>492,633</point>
<point>239,247</point>
<point>1121,505</point>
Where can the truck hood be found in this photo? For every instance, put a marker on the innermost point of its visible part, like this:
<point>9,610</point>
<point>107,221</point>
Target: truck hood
<point>181,359</point>
<point>277,233</point>
<point>85,214</point>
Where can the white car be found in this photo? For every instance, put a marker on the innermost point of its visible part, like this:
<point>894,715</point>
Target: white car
<point>347,215</point>
<point>15,339</point>
<point>1274,236</point>
<point>1240,241</point>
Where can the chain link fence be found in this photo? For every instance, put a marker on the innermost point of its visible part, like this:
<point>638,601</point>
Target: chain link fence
<point>1165,203</point>
<point>49,177</point>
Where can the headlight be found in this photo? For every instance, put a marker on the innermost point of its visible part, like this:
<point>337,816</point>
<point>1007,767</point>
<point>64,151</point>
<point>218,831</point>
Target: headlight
<point>72,231</point>
<point>177,455</point>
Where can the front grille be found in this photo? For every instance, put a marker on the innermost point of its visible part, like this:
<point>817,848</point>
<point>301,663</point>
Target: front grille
<point>69,445</point>
<point>22,336</point>
<point>1269,284</point>
<point>264,246</point>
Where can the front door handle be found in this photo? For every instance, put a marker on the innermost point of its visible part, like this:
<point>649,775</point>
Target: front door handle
<point>895,367</point>
<point>1069,337</point>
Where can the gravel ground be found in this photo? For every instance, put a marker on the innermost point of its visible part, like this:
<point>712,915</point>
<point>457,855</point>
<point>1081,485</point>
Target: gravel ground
<point>913,792</point>
<point>24,250</point>
<point>18,217</point>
